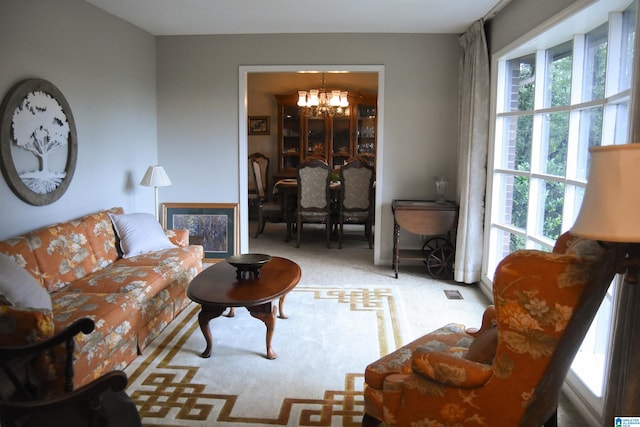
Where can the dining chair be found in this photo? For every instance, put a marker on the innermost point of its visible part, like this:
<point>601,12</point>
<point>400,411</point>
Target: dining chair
<point>264,166</point>
<point>270,206</point>
<point>314,196</point>
<point>356,197</point>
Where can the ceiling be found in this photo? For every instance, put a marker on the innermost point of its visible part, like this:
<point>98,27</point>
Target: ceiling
<point>188,17</point>
<point>289,83</point>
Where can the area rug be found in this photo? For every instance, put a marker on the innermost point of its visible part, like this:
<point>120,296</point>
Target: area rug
<point>323,347</point>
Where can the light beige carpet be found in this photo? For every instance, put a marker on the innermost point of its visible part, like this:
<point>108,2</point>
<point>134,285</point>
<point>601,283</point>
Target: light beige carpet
<point>317,379</point>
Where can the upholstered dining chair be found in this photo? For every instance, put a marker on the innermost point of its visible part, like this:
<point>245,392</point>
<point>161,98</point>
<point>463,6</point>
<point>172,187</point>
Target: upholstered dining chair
<point>314,196</point>
<point>264,162</point>
<point>510,372</point>
<point>270,207</point>
<point>28,398</point>
<point>251,184</point>
<point>356,198</point>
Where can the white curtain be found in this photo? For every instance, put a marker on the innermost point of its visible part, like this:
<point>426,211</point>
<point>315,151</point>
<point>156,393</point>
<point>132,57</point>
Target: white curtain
<point>473,135</point>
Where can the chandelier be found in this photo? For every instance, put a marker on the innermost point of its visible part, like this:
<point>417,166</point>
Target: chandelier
<point>316,103</point>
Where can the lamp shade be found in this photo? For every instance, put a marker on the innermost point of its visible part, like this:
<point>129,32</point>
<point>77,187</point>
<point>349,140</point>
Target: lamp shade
<point>611,202</point>
<point>155,177</point>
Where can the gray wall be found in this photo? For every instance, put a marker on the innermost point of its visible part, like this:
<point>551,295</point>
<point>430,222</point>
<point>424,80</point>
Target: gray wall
<point>106,70</point>
<point>120,82</point>
<point>521,16</point>
<point>198,107</point>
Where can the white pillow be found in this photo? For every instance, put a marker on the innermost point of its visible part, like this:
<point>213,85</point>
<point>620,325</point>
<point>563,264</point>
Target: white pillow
<point>139,233</point>
<point>19,288</point>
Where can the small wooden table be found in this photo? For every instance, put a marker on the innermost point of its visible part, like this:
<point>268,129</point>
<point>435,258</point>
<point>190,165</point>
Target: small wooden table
<point>217,288</point>
<point>423,217</point>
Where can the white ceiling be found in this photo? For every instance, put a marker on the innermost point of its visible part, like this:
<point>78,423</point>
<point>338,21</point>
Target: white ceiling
<point>183,17</point>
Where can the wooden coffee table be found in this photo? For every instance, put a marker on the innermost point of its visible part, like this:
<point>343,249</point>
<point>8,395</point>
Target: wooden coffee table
<point>217,288</point>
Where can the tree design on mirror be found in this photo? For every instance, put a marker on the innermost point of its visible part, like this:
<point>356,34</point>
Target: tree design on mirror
<point>38,141</point>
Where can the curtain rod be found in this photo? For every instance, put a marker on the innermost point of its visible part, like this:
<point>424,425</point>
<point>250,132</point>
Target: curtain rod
<point>495,9</point>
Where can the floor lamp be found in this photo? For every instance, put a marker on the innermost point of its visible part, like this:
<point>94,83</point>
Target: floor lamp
<point>155,177</point>
<point>609,214</point>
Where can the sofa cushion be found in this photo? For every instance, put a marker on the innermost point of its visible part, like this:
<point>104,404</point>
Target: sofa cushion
<point>102,236</point>
<point>63,253</point>
<point>18,248</point>
<point>399,361</point>
<point>113,313</point>
<point>19,288</point>
<point>139,233</point>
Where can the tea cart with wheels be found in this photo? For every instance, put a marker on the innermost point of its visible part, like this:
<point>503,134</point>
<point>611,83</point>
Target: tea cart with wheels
<point>437,221</point>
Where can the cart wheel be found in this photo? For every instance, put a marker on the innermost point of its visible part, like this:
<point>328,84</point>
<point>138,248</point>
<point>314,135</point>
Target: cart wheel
<point>440,262</point>
<point>435,242</point>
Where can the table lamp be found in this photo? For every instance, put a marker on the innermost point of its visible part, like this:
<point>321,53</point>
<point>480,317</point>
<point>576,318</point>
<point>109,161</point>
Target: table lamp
<point>611,204</point>
<point>155,177</point>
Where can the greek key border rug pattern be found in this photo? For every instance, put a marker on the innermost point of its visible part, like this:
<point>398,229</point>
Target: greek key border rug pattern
<point>317,379</point>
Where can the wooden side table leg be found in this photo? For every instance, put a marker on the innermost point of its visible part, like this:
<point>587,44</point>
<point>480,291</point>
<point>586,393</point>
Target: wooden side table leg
<point>267,313</point>
<point>396,248</point>
<point>205,315</point>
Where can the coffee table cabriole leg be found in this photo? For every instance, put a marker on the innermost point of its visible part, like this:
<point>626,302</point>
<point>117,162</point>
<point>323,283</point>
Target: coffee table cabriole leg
<point>280,311</point>
<point>267,313</point>
<point>205,315</point>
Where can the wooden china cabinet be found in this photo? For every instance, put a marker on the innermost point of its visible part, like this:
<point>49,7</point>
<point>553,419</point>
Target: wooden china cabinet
<point>335,139</point>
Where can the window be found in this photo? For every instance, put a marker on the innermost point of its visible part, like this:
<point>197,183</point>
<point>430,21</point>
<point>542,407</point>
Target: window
<point>556,96</point>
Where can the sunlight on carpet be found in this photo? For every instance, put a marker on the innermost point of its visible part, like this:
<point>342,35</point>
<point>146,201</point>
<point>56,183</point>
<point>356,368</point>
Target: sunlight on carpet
<point>331,335</point>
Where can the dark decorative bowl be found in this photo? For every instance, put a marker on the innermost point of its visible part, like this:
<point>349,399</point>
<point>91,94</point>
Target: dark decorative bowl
<point>246,264</point>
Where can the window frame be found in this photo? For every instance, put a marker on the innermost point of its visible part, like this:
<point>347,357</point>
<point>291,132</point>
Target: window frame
<point>615,104</point>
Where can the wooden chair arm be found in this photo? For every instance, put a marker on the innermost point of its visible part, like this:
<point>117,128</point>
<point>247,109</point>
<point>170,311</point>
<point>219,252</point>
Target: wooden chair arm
<point>114,380</point>
<point>100,403</point>
<point>84,325</point>
<point>25,352</point>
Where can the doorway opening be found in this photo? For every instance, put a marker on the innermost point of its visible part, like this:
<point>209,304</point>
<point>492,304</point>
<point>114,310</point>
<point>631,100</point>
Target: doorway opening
<point>289,79</point>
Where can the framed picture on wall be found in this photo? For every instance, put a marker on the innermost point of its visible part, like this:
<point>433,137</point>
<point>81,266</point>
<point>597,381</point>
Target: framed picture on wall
<point>38,141</point>
<point>259,125</point>
<point>215,226</point>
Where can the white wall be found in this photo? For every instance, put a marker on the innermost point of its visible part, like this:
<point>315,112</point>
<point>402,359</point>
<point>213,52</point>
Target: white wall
<point>105,68</point>
<point>198,108</point>
<point>520,17</point>
<point>112,72</point>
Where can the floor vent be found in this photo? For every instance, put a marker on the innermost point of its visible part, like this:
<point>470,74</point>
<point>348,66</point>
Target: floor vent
<point>451,294</point>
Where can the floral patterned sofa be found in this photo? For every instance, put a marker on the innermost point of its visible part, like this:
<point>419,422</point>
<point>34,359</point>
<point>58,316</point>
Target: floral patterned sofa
<point>81,266</point>
<point>510,372</point>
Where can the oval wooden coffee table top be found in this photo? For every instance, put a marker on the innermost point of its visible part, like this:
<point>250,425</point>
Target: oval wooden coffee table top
<point>218,284</point>
<point>219,287</point>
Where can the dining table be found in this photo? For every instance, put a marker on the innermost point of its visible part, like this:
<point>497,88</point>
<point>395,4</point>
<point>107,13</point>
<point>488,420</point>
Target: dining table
<point>288,188</point>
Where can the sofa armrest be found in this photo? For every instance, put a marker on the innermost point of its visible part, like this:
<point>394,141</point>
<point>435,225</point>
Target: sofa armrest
<point>488,321</point>
<point>23,326</point>
<point>451,370</point>
<point>179,237</point>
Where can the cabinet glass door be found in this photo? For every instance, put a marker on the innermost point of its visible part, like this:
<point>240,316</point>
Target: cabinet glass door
<point>366,132</point>
<point>341,141</point>
<point>290,137</point>
<point>316,137</point>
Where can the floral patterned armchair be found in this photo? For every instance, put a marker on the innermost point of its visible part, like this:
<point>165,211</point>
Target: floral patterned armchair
<point>510,372</point>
